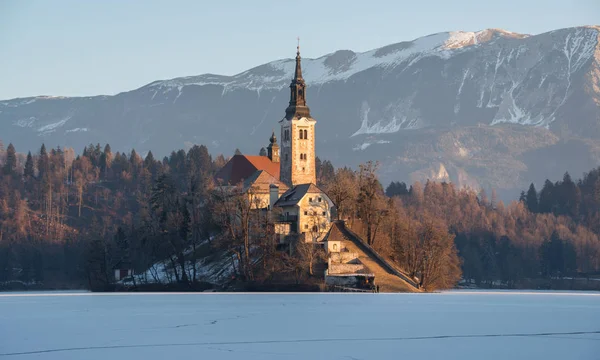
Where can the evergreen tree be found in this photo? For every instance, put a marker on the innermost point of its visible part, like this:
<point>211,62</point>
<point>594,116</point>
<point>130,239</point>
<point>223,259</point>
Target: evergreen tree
<point>10,164</point>
<point>557,256</point>
<point>546,202</point>
<point>396,188</point>
<point>149,162</point>
<point>133,157</point>
<point>106,159</point>
<point>43,162</point>
<point>29,170</point>
<point>325,172</point>
<point>531,199</point>
<point>199,160</point>
<point>568,197</point>
<point>523,198</point>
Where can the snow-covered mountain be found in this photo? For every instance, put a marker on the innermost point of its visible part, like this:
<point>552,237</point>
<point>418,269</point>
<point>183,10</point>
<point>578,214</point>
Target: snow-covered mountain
<point>489,108</point>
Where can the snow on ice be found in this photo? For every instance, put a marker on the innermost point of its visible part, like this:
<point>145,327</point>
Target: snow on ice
<point>451,325</point>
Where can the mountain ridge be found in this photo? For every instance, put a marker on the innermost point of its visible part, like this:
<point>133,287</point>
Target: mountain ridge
<point>458,33</point>
<point>369,105</point>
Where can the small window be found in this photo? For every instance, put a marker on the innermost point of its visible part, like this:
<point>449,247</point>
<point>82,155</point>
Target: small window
<point>315,228</point>
<point>320,199</point>
<point>334,247</point>
<point>324,213</point>
<point>309,199</point>
<point>305,212</point>
<point>306,226</point>
<point>306,134</point>
<point>301,134</point>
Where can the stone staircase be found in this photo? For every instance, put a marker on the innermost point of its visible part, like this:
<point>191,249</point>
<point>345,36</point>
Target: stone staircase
<point>389,278</point>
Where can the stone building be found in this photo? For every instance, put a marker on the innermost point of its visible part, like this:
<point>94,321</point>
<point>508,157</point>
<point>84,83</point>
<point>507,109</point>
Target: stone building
<point>282,181</point>
<point>284,176</point>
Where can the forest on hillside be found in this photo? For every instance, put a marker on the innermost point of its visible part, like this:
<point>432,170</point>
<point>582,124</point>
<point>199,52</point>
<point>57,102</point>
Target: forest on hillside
<point>67,220</point>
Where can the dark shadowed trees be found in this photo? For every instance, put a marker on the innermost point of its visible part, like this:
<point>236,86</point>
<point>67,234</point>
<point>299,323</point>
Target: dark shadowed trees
<point>531,199</point>
<point>10,162</point>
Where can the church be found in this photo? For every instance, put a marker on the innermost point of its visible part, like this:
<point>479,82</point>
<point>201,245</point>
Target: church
<point>282,180</point>
<point>283,177</point>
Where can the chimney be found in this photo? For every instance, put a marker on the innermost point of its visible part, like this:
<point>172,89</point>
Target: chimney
<point>273,195</point>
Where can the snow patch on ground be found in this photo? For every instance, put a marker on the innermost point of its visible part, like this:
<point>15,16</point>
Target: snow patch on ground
<point>52,127</point>
<point>215,268</point>
<point>387,126</point>
<point>77,130</point>
<point>28,122</point>
<point>365,145</point>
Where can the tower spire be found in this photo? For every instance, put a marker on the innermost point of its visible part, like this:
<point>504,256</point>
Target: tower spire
<point>297,107</point>
<point>298,72</point>
<point>273,148</point>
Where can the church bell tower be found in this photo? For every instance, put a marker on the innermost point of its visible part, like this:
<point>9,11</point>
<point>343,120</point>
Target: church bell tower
<point>297,154</point>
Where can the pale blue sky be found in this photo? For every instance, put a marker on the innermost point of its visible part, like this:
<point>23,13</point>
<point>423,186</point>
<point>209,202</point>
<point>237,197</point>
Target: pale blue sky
<point>80,47</point>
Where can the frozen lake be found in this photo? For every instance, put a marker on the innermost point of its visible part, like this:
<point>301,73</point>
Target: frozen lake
<point>452,325</point>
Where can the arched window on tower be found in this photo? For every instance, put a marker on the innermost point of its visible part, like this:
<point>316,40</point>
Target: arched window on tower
<point>306,134</point>
<point>301,134</point>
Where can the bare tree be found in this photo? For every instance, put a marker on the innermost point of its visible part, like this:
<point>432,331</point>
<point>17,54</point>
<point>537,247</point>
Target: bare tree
<point>342,189</point>
<point>84,174</point>
<point>370,201</point>
<point>237,215</point>
<point>309,254</point>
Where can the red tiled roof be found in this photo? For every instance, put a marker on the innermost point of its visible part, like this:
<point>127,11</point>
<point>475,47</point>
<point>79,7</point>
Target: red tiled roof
<point>241,167</point>
<point>264,163</point>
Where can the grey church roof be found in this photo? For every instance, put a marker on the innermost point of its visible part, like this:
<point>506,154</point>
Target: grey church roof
<point>296,193</point>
